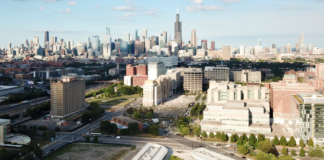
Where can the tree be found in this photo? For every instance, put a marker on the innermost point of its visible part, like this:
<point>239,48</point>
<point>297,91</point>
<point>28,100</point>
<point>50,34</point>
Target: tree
<point>283,141</point>
<point>133,127</point>
<point>252,139</point>
<point>233,138</point>
<point>244,137</point>
<point>95,139</point>
<point>236,137</point>
<point>211,135</point>
<point>284,151</point>
<point>57,129</point>
<point>148,115</point>
<point>285,158</point>
<point>94,105</point>
<point>94,95</point>
<point>197,130</point>
<point>276,140</point>
<point>105,126</point>
<point>185,131</point>
<point>38,152</point>
<point>293,152</point>
<point>51,134</point>
<point>239,142</point>
<point>301,143</point>
<point>243,149</point>
<point>137,115</point>
<point>292,141</point>
<point>218,135</point>
<point>87,139</point>
<point>224,137</point>
<point>266,147</point>
<point>204,134</point>
<point>130,111</point>
<point>154,130</point>
<point>315,152</point>
<point>261,137</point>
<point>264,156</point>
<point>302,152</point>
<point>310,143</point>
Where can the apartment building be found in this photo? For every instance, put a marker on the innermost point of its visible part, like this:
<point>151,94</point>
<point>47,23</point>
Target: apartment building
<point>175,77</point>
<point>217,73</point>
<point>67,97</point>
<point>246,76</point>
<point>151,93</point>
<point>192,78</point>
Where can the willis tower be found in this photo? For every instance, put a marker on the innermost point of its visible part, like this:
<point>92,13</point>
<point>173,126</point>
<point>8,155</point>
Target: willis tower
<point>178,31</point>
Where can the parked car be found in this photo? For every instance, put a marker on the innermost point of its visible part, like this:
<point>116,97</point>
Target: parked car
<point>118,137</point>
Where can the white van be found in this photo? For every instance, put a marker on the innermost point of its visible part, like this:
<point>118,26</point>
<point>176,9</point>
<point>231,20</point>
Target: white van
<point>118,137</point>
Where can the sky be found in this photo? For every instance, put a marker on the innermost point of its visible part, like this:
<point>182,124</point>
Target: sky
<point>227,22</point>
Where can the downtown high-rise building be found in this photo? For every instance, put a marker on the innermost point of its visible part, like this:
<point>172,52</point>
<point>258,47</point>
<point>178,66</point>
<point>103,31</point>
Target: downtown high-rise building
<point>193,39</point>
<point>107,44</point>
<point>204,45</point>
<point>107,31</point>
<point>178,30</point>
<point>302,46</point>
<point>36,40</point>
<point>212,46</point>
<point>165,35</point>
<point>95,43</point>
<point>144,33</point>
<point>126,37</point>
<point>136,35</point>
<point>9,45</point>
<point>46,39</point>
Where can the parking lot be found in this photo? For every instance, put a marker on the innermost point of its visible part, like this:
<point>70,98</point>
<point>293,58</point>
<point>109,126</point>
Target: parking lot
<point>178,101</point>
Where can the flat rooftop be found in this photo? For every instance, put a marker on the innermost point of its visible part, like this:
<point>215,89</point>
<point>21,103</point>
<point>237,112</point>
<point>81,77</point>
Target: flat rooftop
<point>151,151</point>
<point>7,87</point>
<point>4,121</point>
<point>202,153</point>
<point>127,119</point>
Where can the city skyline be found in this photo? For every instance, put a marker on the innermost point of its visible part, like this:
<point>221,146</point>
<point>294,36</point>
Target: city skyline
<point>229,28</point>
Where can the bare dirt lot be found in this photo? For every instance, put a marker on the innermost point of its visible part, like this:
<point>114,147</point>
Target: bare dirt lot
<point>78,151</point>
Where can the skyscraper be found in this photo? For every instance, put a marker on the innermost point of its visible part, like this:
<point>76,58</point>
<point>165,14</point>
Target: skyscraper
<point>36,40</point>
<point>302,46</point>
<point>88,43</point>
<point>46,37</point>
<point>95,43</point>
<point>144,33</point>
<point>165,36</point>
<point>126,37</point>
<point>107,31</point>
<point>259,42</point>
<point>212,47</point>
<point>193,39</point>
<point>205,44</point>
<point>136,35</point>
<point>178,30</point>
<point>9,45</point>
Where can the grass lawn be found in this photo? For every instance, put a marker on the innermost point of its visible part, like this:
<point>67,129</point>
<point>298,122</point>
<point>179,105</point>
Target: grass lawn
<point>213,140</point>
<point>173,157</point>
<point>41,142</point>
<point>89,151</point>
<point>118,101</point>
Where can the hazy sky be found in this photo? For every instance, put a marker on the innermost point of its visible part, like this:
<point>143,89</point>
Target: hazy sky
<point>227,22</point>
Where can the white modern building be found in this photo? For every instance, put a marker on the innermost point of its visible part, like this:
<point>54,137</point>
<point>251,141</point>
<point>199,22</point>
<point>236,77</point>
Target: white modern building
<point>151,93</point>
<point>169,62</point>
<point>152,151</point>
<point>155,69</point>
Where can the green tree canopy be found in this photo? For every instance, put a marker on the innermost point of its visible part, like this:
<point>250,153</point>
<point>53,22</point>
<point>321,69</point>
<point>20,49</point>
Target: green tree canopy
<point>211,135</point>
<point>283,141</point>
<point>292,141</point>
<point>276,140</point>
<point>204,134</point>
<point>284,151</point>
<point>301,143</point>
<point>310,142</point>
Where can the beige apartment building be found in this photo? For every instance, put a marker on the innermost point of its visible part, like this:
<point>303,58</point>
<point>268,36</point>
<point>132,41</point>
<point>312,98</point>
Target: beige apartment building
<point>166,86</point>
<point>67,97</point>
<point>246,76</point>
<point>175,77</point>
<point>192,78</point>
<point>152,95</point>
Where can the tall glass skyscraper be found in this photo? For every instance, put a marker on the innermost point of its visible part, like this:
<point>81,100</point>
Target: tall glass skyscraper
<point>178,30</point>
<point>107,31</point>
<point>95,43</point>
<point>126,37</point>
<point>136,35</point>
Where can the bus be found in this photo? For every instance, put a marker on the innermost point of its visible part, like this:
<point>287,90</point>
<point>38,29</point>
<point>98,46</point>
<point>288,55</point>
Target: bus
<point>95,134</point>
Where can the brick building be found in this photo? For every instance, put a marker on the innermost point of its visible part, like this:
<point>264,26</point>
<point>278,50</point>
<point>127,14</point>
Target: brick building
<point>139,80</point>
<point>126,120</point>
<point>136,70</point>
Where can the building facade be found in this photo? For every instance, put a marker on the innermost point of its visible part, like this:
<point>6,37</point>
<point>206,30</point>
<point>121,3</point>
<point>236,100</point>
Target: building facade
<point>155,69</point>
<point>67,97</point>
<point>193,80</point>
<point>151,93</point>
<point>246,76</point>
<point>216,73</point>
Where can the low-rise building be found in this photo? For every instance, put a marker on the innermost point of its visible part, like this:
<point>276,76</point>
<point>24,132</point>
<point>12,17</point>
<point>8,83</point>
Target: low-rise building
<point>125,121</point>
<point>45,74</point>
<point>153,151</point>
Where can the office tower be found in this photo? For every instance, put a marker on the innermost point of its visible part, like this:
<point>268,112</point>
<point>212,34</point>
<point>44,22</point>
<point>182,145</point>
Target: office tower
<point>61,40</point>
<point>68,46</point>
<point>274,46</point>
<point>144,33</point>
<point>55,39</point>
<point>67,97</point>
<point>259,42</point>
<point>153,41</point>
<point>36,40</point>
<point>71,44</point>
<point>46,39</point>
<point>126,37</point>
<point>310,47</point>
<point>139,49</point>
<point>88,43</point>
<point>9,45</point>
<point>178,30</point>
<point>147,45</point>
<point>242,50</point>
<point>192,79</point>
<point>107,31</point>
<point>136,35</point>
<point>52,40</point>
<point>205,44</point>
<point>302,46</point>
<point>165,35</point>
<point>193,39</point>
<point>162,42</point>
<point>212,47</point>
<point>27,44</point>
<point>226,52</point>
<point>170,38</point>
<point>288,48</point>
<point>31,43</point>
<point>95,43</point>
<point>217,73</point>
<point>297,47</point>
<point>155,69</point>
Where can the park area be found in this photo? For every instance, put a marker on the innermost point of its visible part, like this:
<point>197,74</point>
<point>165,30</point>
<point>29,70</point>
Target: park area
<point>86,151</point>
<point>115,101</point>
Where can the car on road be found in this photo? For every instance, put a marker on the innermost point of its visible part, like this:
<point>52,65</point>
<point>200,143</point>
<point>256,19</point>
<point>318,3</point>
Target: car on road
<point>118,137</point>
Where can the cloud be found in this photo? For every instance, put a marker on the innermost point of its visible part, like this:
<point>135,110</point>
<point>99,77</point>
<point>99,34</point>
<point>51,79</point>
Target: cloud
<point>152,13</point>
<point>203,8</point>
<point>71,3</point>
<point>290,8</point>
<point>66,11</point>
<point>42,8</point>
<point>197,1</point>
<point>230,1</point>
<point>97,6</point>
<point>130,14</point>
<point>124,19</point>
<point>125,8</point>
